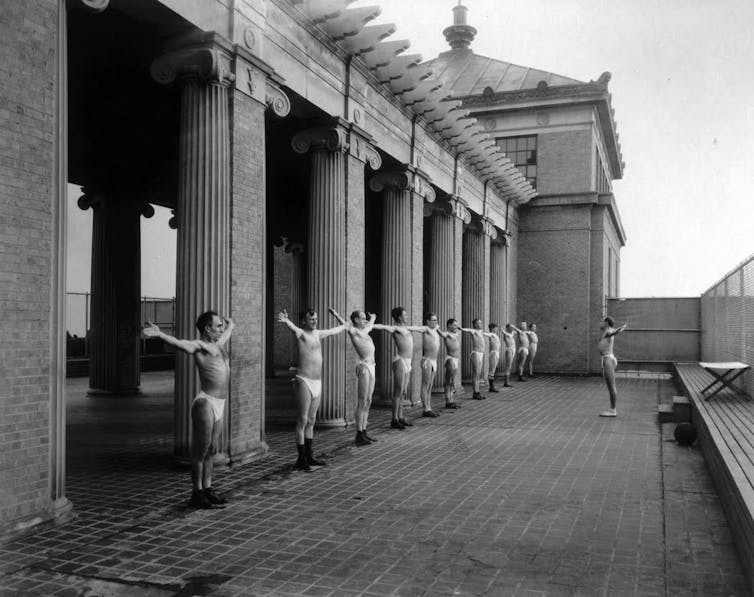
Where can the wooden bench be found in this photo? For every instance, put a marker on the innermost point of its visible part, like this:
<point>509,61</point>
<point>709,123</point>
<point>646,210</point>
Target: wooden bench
<point>726,436</point>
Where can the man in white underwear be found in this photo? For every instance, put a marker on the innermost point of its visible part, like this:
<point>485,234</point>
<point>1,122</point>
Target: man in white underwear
<point>452,339</point>
<point>510,352</point>
<point>404,345</point>
<point>431,334</point>
<point>477,356</point>
<point>533,342</point>
<point>208,407</point>
<point>307,383</point>
<point>494,354</point>
<point>523,348</point>
<point>362,343</point>
<point>609,362</point>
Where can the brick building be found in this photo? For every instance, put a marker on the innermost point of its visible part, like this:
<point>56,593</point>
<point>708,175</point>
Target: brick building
<point>308,160</point>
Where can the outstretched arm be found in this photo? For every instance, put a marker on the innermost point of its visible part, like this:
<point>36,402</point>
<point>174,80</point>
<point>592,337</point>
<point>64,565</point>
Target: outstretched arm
<point>383,327</point>
<point>225,336</point>
<point>616,331</point>
<point>336,316</point>
<point>417,328</point>
<point>332,331</point>
<point>283,318</point>
<point>188,346</point>
<point>443,334</point>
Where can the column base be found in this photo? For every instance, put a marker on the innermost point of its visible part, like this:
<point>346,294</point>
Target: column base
<point>132,391</point>
<point>331,423</point>
<point>252,452</point>
<point>62,510</point>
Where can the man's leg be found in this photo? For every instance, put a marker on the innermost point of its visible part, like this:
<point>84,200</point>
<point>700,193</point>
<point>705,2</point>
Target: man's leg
<point>508,363</point>
<point>404,392</point>
<point>428,378</point>
<point>309,432</point>
<point>532,354</point>
<point>493,366</point>
<point>608,370</point>
<point>367,405</point>
<point>397,404</point>
<point>362,384</point>
<point>449,385</point>
<point>521,362</point>
<point>209,465</point>
<point>476,373</point>
<point>202,421</point>
<point>303,398</point>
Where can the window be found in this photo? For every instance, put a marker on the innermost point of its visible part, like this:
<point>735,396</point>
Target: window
<point>522,151</point>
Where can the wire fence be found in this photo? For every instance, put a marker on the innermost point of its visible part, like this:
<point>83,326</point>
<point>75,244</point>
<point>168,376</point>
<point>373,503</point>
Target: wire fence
<point>728,319</point>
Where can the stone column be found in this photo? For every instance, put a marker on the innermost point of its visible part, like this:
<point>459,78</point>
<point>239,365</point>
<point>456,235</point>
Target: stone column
<point>445,265</point>
<point>476,281</point>
<point>115,320</point>
<point>498,286</point>
<point>326,256</point>
<point>298,290</point>
<point>202,210</point>
<point>401,277</point>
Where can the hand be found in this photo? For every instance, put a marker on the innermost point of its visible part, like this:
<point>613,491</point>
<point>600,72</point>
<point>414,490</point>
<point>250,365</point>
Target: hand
<point>151,330</point>
<point>228,322</point>
<point>332,312</point>
<point>283,316</point>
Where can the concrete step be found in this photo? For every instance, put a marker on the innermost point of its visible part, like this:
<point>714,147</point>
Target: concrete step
<point>681,409</point>
<point>665,413</point>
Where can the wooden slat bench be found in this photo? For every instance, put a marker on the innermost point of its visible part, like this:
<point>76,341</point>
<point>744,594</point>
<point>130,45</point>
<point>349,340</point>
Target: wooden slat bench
<point>726,436</point>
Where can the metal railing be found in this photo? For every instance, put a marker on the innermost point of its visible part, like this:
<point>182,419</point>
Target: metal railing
<point>728,319</point>
<point>160,311</point>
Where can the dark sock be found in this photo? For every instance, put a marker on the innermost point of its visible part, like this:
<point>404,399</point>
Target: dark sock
<point>301,463</point>
<point>309,455</point>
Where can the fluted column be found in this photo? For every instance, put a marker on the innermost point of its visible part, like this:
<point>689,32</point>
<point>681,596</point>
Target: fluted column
<point>115,321</point>
<point>298,289</point>
<point>498,285</point>
<point>202,211</point>
<point>326,257</point>
<point>476,280</point>
<point>445,265</point>
<point>404,191</point>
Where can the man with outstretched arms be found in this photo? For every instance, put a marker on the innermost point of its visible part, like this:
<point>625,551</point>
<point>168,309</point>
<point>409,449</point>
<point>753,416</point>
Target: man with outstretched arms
<point>509,354</point>
<point>431,334</point>
<point>307,383</point>
<point>208,407</point>
<point>494,354</point>
<point>523,348</point>
<point>452,339</point>
<point>404,345</point>
<point>609,362</point>
<point>533,342</point>
<point>477,356</point>
<point>358,331</point>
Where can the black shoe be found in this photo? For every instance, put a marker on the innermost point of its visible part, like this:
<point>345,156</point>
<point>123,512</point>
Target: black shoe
<point>507,385</point>
<point>492,387</point>
<point>310,460</point>
<point>214,497</point>
<point>405,423</point>
<point>302,464</point>
<point>452,405</point>
<point>369,439</point>
<point>430,413</point>
<point>396,424</point>
<point>200,501</point>
<point>477,396</point>
<point>521,378</point>
<point>361,440</point>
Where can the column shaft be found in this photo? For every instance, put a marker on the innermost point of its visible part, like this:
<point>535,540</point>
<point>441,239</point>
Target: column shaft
<point>476,246</point>
<point>203,210</point>
<point>498,288</point>
<point>325,265</point>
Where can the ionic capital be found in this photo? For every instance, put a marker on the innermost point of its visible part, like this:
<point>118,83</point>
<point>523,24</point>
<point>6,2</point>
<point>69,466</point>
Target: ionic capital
<point>398,179</point>
<point>206,62</point>
<point>362,149</point>
<point>483,225</point>
<point>423,187</point>
<point>453,206</point>
<point>94,200</point>
<point>326,138</point>
<point>277,99</point>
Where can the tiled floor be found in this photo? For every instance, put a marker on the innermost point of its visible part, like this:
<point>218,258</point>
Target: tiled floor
<point>525,493</point>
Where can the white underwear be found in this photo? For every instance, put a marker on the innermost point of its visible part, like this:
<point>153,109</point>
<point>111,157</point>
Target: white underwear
<point>453,361</point>
<point>406,363</point>
<point>524,351</point>
<point>496,353</point>
<point>217,404</point>
<point>431,363</point>
<point>609,356</point>
<point>369,366</point>
<point>314,385</point>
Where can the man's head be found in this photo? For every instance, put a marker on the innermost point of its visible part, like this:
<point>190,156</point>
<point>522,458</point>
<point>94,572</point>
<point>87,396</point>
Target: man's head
<point>359,319</point>
<point>533,327</point>
<point>452,325</point>
<point>493,327</point>
<point>309,319</point>
<point>398,314</point>
<point>508,328</point>
<point>523,325</point>
<point>477,324</point>
<point>608,322</point>
<point>430,320</point>
<point>210,325</point>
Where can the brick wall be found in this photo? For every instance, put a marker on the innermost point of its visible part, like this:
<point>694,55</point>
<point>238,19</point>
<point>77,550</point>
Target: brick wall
<point>248,264</point>
<point>27,102</point>
<point>554,282</point>
<point>564,162</point>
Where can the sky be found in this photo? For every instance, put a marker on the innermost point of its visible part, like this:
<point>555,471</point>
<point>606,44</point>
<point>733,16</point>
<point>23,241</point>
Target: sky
<point>683,96</point>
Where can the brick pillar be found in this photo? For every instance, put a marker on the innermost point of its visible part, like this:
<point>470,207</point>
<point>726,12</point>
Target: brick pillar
<point>326,256</point>
<point>445,266</point>
<point>498,286</point>
<point>404,191</point>
<point>202,210</point>
<point>476,281</point>
<point>115,321</point>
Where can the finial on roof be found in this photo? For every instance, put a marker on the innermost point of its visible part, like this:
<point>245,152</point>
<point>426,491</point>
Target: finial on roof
<point>459,34</point>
